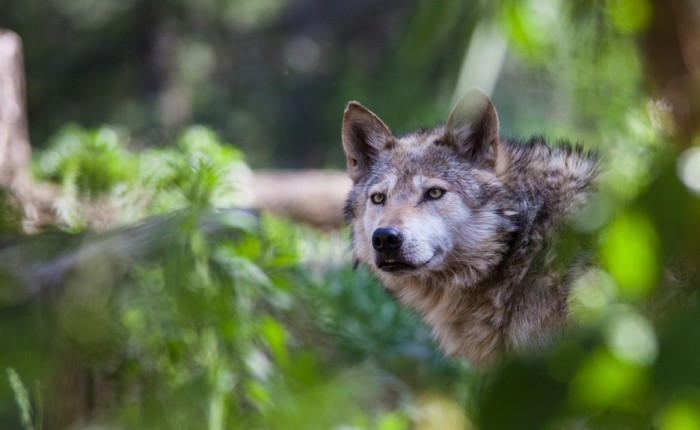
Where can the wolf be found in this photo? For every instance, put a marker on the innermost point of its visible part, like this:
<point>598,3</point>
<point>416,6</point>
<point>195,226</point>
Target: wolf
<point>457,224</point>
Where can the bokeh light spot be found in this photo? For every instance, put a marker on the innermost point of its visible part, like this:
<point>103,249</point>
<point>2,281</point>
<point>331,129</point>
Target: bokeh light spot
<point>630,16</point>
<point>591,295</point>
<point>631,337</point>
<point>605,381</point>
<point>688,168</point>
<point>629,253</point>
<point>681,415</point>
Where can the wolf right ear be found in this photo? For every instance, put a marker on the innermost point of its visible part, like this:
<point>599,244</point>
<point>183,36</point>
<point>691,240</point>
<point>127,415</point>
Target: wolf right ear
<point>473,128</point>
<point>364,135</point>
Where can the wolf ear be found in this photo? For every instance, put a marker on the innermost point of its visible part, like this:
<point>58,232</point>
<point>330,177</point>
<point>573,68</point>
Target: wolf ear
<point>364,135</point>
<point>473,128</point>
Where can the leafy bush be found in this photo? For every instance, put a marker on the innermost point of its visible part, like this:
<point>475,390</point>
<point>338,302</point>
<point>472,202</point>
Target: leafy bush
<point>226,320</point>
<point>99,174</point>
<point>87,163</point>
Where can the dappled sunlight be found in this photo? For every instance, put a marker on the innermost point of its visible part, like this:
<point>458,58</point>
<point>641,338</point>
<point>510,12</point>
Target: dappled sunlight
<point>688,167</point>
<point>681,415</point>
<point>436,412</point>
<point>630,254</point>
<point>591,297</point>
<point>603,381</point>
<point>629,16</point>
<point>631,337</point>
<point>303,54</point>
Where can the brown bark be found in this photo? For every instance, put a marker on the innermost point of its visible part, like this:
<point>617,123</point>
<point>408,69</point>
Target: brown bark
<point>671,54</point>
<point>314,197</point>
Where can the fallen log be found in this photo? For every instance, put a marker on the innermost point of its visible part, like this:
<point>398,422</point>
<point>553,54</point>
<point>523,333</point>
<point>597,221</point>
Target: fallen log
<point>313,197</point>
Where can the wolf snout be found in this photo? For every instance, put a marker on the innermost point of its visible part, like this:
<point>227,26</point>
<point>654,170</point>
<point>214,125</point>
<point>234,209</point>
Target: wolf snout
<point>389,257</point>
<point>386,239</point>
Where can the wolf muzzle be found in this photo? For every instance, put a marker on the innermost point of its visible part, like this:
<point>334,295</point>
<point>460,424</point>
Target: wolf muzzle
<point>387,242</point>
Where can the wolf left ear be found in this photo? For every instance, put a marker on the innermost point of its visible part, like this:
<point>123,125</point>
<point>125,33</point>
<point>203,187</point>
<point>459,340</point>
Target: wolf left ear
<point>473,128</point>
<point>364,136</point>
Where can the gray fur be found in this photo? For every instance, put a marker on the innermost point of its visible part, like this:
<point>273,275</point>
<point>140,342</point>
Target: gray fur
<point>471,262</point>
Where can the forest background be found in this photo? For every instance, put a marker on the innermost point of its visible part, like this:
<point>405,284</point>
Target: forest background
<point>150,301</point>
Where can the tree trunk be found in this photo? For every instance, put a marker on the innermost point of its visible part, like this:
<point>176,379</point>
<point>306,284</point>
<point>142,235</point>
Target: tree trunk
<point>14,140</point>
<point>671,55</point>
<point>34,201</point>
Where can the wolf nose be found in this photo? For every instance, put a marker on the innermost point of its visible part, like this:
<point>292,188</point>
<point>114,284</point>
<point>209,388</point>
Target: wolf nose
<point>386,239</point>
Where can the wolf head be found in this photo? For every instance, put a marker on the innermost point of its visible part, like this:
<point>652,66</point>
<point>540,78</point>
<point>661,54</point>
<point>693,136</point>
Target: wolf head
<point>429,202</point>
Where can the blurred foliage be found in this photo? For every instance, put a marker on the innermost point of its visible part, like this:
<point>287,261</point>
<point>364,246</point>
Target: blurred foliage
<point>254,326</point>
<point>97,165</point>
<point>92,163</point>
<point>266,325</point>
<point>22,397</point>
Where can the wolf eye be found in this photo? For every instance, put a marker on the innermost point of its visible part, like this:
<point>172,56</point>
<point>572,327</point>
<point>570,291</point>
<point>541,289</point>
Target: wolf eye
<point>434,193</point>
<point>377,198</point>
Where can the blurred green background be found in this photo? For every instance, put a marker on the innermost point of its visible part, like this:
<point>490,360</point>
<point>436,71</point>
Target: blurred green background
<point>191,314</point>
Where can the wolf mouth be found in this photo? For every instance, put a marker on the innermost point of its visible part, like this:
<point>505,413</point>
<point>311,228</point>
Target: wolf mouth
<point>394,266</point>
<point>400,266</point>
